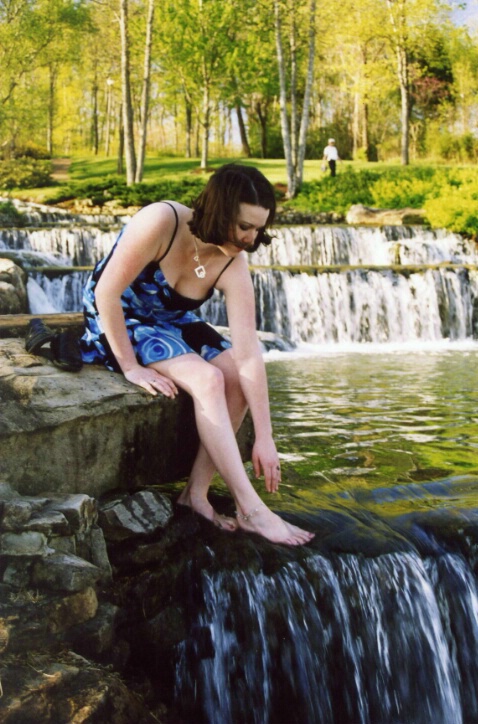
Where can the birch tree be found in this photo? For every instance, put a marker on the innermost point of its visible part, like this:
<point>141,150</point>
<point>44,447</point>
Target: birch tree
<point>128,119</point>
<point>401,46</point>
<point>294,133</point>
<point>145,93</point>
<point>410,21</point>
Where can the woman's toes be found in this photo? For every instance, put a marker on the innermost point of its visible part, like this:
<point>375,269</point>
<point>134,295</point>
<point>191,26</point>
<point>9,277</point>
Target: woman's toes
<point>224,522</point>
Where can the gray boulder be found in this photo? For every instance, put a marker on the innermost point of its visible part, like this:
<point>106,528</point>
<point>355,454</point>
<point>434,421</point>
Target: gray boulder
<point>13,291</point>
<point>89,432</point>
<point>360,214</point>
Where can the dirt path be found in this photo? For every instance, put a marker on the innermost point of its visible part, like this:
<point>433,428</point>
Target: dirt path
<point>60,168</point>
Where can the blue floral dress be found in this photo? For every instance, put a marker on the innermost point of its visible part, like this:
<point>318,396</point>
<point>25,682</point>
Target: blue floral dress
<point>160,322</point>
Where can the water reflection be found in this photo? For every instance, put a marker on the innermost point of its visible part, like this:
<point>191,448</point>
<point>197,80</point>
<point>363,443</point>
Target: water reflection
<point>360,422</point>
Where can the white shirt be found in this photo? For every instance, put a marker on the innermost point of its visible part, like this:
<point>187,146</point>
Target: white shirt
<point>331,153</point>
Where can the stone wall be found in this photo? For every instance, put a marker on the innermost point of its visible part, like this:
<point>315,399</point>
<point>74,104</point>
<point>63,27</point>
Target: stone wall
<point>56,617</point>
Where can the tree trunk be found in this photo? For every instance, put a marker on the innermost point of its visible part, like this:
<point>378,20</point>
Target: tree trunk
<point>206,122</point>
<point>304,124</point>
<point>109,113</point>
<point>402,61</point>
<point>51,110</point>
<point>95,135</point>
<point>119,165</point>
<point>356,126</point>
<point>189,128</point>
<point>286,136</point>
<point>145,92</point>
<point>246,149</point>
<point>126,92</point>
<point>398,18</point>
<point>262,116</point>
<point>294,116</point>
<point>365,138</point>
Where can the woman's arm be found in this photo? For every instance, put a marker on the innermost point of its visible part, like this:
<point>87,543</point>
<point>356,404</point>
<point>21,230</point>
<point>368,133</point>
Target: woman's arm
<point>237,286</point>
<point>142,241</point>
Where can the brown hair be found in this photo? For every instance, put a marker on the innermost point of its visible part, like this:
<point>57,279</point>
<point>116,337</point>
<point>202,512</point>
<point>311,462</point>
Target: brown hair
<point>217,207</point>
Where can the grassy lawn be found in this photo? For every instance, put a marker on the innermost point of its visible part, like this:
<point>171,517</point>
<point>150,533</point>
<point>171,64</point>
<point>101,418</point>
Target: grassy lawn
<point>95,169</point>
<point>447,193</point>
<point>171,168</point>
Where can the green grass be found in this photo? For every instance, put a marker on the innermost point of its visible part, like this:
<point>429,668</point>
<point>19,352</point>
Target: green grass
<point>172,168</point>
<point>448,193</point>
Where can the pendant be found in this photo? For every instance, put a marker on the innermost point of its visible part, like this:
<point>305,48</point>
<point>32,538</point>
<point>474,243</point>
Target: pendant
<point>200,271</point>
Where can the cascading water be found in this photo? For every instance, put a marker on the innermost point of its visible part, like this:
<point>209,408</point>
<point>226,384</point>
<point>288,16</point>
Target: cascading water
<point>341,640</point>
<point>369,306</point>
<point>346,305</point>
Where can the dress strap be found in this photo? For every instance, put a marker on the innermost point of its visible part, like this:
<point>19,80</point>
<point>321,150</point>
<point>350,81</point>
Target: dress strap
<point>222,271</point>
<point>174,232</point>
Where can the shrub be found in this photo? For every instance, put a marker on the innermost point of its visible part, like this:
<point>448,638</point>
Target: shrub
<point>455,209</point>
<point>10,215</point>
<point>11,151</point>
<point>336,194</point>
<point>401,192</point>
<point>448,195</point>
<point>136,195</point>
<point>24,173</point>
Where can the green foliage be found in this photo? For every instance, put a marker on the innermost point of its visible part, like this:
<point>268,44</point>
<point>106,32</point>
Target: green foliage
<point>27,150</point>
<point>336,194</point>
<point>24,173</point>
<point>448,195</point>
<point>455,209</point>
<point>9,215</point>
<point>141,194</point>
<point>458,148</point>
<point>401,192</point>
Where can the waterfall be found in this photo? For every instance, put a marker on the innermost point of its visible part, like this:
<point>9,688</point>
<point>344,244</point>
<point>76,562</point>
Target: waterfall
<point>82,246</point>
<point>349,640</point>
<point>381,302</point>
<point>62,293</point>
<point>334,245</point>
<point>368,306</point>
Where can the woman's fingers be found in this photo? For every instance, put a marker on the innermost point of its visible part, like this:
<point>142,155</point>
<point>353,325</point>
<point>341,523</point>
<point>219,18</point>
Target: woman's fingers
<point>153,382</point>
<point>272,477</point>
<point>163,385</point>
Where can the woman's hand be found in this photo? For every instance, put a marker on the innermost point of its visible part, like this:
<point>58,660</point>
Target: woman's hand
<point>151,381</point>
<point>266,460</point>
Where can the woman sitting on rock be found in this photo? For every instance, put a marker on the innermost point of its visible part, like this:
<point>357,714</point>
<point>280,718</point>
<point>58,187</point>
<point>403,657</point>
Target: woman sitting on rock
<point>140,321</point>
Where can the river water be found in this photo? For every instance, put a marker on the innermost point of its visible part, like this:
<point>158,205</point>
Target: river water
<point>369,420</point>
<point>376,622</point>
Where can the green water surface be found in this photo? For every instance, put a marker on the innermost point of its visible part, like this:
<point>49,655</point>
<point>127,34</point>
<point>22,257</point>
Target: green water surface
<point>349,425</point>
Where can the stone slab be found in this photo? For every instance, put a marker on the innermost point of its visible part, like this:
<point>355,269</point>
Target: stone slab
<point>89,432</point>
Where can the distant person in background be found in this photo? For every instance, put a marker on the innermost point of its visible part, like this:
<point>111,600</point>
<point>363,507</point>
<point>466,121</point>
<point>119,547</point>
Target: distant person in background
<point>331,155</point>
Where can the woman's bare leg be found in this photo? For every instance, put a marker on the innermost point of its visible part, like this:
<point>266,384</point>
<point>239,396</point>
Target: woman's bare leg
<point>195,493</point>
<point>206,385</point>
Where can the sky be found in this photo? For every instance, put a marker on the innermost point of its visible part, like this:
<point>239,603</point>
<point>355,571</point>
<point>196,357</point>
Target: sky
<point>467,16</point>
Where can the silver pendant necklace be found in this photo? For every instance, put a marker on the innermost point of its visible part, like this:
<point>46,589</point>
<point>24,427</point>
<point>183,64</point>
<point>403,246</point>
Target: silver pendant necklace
<point>200,270</point>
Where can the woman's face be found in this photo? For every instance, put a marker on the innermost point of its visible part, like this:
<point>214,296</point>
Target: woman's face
<point>243,233</point>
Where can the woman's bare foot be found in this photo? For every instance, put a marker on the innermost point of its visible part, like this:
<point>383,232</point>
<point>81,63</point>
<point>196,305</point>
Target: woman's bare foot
<point>264,522</point>
<point>204,508</point>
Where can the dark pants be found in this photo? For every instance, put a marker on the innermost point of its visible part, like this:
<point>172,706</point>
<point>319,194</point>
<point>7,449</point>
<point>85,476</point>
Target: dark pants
<point>332,166</point>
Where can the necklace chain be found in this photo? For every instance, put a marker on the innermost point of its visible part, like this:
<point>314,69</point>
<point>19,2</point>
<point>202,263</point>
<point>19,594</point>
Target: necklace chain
<point>200,270</point>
